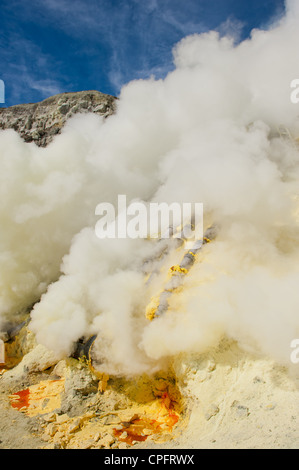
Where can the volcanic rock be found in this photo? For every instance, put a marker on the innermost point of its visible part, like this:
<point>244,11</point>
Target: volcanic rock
<point>40,122</point>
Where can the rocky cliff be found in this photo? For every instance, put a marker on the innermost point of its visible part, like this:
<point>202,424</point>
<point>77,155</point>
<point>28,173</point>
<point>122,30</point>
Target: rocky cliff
<point>40,122</point>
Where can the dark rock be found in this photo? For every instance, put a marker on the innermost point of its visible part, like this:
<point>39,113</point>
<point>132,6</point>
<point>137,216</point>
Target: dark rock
<point>39,122</point>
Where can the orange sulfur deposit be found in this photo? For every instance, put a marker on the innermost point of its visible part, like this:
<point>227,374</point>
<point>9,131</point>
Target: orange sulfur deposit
<point>38,399</point>
<point>20,400</point>
<point>118,412</point>
<point>139,428</point>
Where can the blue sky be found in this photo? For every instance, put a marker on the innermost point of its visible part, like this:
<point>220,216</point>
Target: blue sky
<point>53,46</point>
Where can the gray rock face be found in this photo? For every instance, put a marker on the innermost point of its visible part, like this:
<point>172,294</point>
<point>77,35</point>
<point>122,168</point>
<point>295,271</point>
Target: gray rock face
<point>40,122</point>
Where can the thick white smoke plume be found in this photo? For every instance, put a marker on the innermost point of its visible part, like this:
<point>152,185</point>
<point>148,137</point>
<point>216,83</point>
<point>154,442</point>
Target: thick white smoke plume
<point>206,133</point>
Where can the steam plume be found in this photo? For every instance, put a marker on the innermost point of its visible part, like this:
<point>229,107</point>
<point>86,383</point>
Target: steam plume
<point>206,133</point>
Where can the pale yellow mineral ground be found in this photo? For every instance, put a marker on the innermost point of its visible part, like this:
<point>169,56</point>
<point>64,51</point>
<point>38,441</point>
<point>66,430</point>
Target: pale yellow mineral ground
<point>226,398</point>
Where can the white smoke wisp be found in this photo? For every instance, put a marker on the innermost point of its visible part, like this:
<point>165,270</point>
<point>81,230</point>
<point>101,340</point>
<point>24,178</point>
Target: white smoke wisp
<point>206,133</point>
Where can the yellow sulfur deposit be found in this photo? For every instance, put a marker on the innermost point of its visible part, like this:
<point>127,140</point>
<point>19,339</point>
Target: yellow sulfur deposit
<point>41,398</point>
<point>159,305</point>
<point>178,269</point>
<point>152,307</point>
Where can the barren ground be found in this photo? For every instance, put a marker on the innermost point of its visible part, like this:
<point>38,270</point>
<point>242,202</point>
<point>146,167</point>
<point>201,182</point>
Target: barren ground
<point>226,398</point>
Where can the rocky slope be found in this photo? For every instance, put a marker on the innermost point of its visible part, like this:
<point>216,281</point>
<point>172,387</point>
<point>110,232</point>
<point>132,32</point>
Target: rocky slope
<point>40,122</point>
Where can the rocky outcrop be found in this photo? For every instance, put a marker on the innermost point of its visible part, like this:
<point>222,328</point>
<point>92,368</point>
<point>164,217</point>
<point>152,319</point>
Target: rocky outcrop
<point>40,122</point>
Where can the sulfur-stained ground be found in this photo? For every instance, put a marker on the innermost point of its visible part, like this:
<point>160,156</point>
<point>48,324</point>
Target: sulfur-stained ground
<point>45,403</point>
<point>226,398</point>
